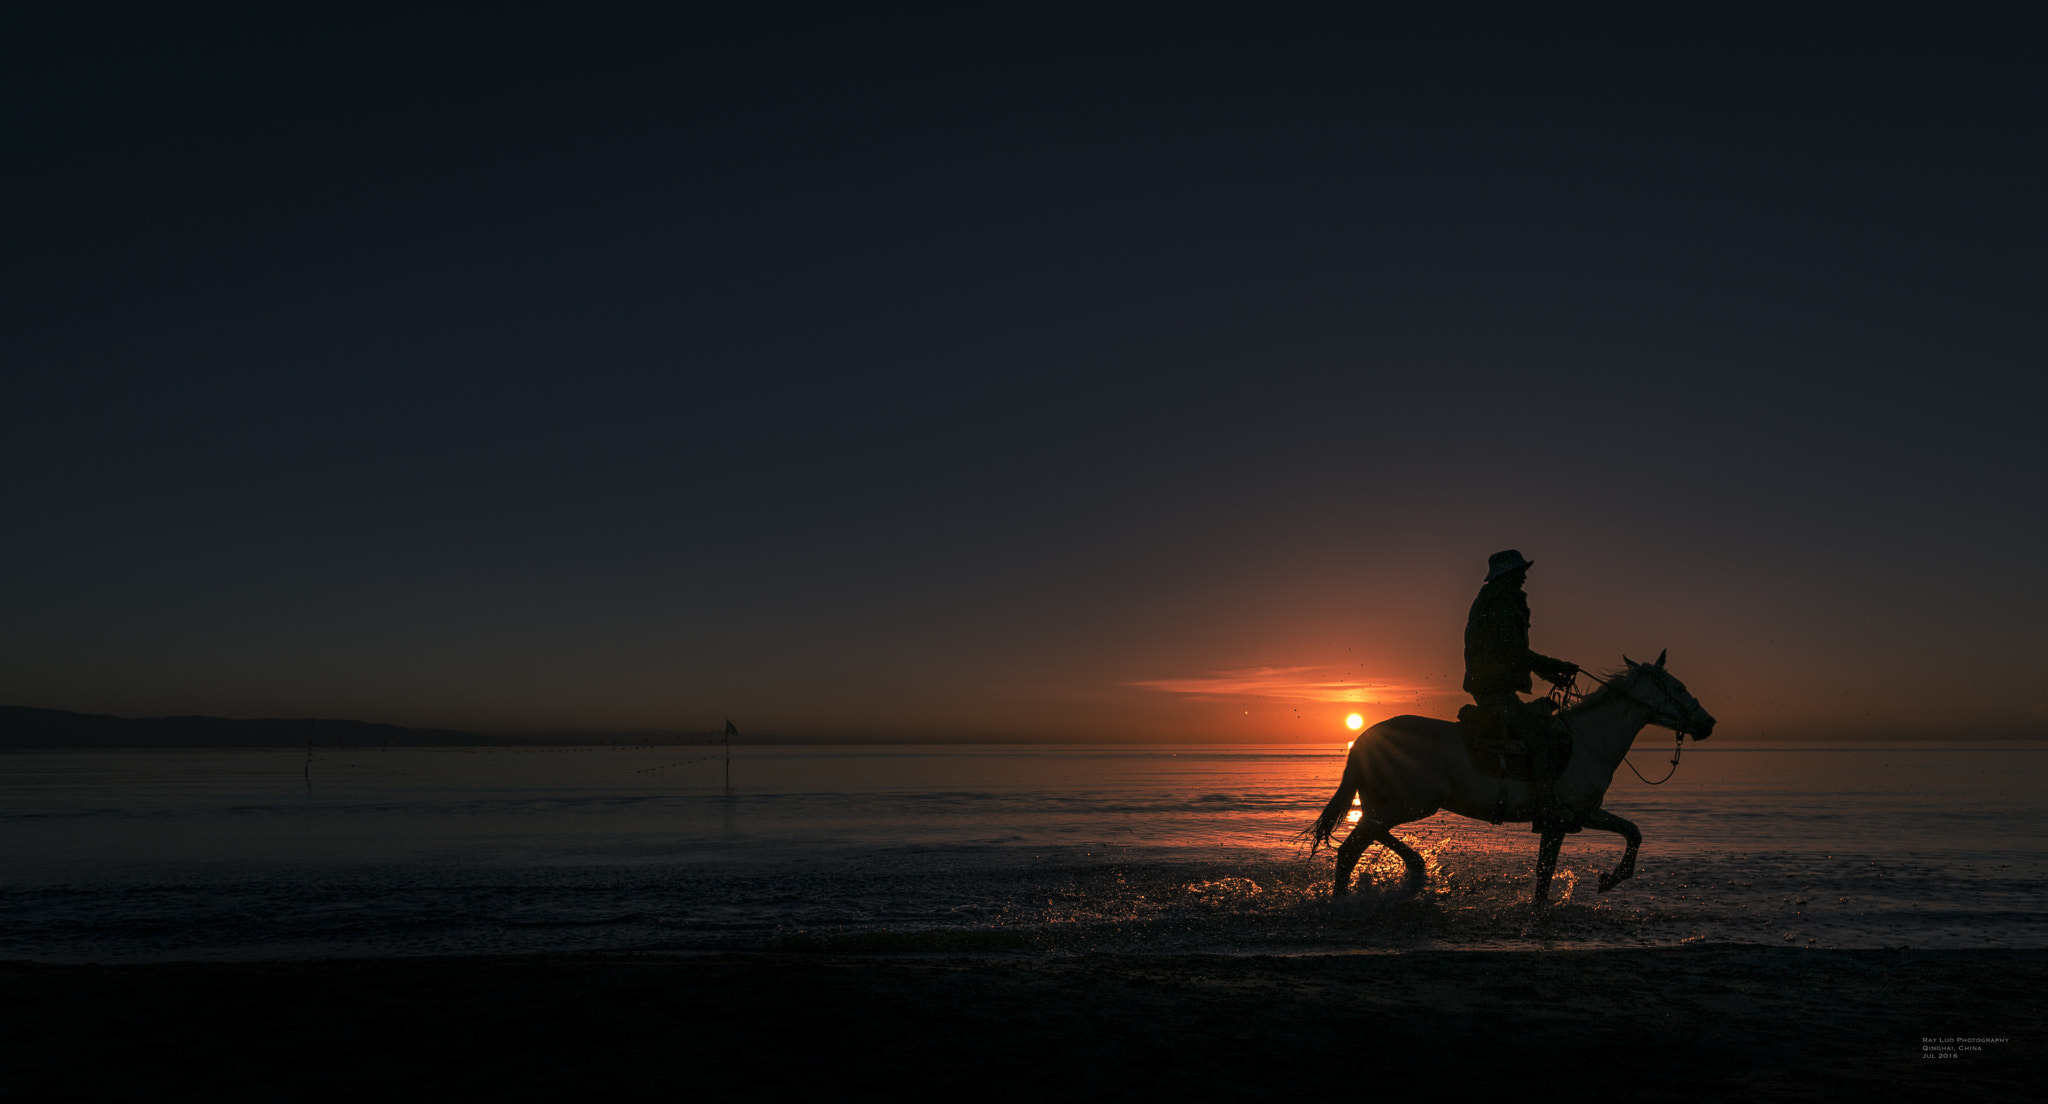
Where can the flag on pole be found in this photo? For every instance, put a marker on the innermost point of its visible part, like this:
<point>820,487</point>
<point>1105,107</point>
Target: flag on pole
<point>730,731</point>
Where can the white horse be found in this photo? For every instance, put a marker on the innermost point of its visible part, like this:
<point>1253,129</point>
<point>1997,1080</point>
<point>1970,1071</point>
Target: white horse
<point>1409,767</point>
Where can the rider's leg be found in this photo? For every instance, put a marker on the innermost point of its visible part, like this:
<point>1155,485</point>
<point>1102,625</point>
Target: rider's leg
<point>1519,723</point>
<point>1547,813</point>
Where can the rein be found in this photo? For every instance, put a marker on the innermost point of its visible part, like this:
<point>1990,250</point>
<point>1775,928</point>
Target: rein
<point>1675,749</point>
<point>1567,695</point>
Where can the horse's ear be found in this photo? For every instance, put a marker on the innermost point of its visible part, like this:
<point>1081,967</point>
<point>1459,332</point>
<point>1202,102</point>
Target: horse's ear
<point>1661,655</point>
<point>1626,660</point>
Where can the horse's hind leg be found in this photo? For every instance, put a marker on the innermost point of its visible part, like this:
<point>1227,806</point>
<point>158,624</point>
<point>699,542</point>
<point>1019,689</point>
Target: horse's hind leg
<point>1348,855</point>
<point>1370,830</point>
<point>1416,873</point>
<point>1626,869</point>
<point>1546,865</point>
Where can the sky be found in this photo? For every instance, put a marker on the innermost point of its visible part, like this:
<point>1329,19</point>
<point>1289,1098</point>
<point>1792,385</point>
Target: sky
<point>1032,375</point>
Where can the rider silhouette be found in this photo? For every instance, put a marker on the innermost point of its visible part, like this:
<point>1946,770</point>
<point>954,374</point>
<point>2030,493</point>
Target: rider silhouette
<point>1498,663</point>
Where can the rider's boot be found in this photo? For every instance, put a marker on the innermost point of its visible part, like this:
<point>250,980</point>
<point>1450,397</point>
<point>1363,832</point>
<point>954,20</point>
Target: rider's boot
<point>1543,802</point>
<point>1548,814</point>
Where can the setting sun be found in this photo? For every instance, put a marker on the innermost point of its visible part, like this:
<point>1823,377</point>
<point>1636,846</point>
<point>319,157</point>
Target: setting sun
<point>1354,722</point>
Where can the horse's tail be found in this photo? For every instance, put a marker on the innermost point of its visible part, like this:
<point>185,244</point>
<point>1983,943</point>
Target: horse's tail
<point>1339,807</point>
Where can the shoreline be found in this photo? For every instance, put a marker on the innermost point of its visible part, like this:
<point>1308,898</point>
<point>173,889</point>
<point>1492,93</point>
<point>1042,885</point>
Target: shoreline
<point>1703,1022</point>
<point>633,741</point>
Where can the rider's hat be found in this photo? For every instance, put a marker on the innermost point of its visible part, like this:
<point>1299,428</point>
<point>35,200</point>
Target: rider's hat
<point>1500,563</point>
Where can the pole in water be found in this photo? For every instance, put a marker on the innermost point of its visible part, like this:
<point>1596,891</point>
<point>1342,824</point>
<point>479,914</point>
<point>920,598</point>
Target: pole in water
<point>310,721</point>
<point>730,732</point>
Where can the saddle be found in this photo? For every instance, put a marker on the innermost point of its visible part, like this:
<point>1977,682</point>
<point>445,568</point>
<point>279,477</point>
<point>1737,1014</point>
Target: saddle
<point>1498,753</point>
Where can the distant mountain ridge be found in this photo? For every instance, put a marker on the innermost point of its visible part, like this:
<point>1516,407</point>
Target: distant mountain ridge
<point>23,728</point>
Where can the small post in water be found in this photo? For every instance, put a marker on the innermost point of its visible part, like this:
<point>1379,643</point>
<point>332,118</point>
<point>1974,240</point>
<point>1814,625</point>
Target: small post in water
<point>730,732</point>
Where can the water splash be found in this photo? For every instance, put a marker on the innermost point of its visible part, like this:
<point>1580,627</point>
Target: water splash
<point>217,855</point>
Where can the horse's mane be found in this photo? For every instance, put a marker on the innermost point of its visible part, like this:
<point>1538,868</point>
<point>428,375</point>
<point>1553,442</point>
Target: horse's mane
<point>1609,679</point>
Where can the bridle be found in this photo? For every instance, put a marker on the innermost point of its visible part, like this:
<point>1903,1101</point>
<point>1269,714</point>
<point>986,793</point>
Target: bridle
<point>1567,695</point>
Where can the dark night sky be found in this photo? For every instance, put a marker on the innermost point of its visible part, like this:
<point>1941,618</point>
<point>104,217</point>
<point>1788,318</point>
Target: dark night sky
<point>1041,376</point>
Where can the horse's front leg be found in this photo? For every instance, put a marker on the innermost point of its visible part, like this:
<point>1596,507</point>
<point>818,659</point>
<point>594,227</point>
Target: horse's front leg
<point>1546,865</point>
<point>1626,869</point>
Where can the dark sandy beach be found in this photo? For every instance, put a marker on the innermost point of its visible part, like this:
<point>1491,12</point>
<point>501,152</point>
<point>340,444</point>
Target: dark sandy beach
<point>1691,1023</point>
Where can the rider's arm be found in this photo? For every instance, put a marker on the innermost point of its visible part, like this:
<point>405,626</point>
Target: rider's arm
<point>1552,670</point>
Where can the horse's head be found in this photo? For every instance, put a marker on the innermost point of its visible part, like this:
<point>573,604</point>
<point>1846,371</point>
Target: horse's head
<point>1673,707</point>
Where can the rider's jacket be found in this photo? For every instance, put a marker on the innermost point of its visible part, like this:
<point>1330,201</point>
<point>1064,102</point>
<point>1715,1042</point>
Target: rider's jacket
<point>1497,655</point>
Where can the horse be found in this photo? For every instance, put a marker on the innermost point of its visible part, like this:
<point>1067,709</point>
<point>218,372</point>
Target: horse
<point>1406,768</point>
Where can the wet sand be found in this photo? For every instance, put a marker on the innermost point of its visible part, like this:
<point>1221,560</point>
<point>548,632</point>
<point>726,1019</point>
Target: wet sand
<point>1686,1023</point>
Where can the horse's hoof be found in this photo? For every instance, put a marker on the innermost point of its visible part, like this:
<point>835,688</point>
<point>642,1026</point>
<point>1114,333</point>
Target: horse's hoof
<point>1608,881</point>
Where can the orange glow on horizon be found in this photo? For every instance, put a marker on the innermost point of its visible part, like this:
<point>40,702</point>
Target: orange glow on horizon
<point>1317,684</point>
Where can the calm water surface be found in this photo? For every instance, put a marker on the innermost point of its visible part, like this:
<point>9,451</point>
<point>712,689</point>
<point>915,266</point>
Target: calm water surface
<point>134,855</point>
